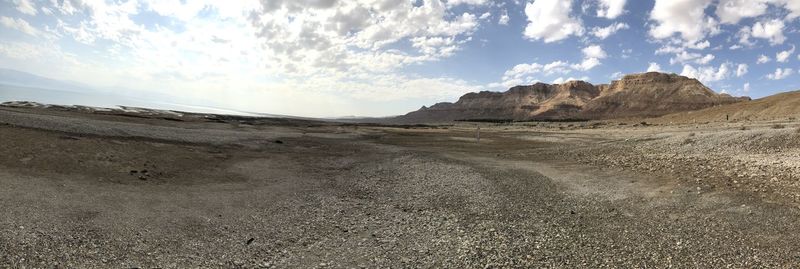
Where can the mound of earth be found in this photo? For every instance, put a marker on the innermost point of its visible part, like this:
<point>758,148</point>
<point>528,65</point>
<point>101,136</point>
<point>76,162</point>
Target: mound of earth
<point>638,95</point>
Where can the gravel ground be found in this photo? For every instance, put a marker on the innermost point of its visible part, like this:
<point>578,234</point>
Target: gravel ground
<point>345,197</point>
<point>763,159</point>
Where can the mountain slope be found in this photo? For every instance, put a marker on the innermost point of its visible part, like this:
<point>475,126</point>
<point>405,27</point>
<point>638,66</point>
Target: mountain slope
<point>776,107</point>
<point>518,103</point>
<point>637,95</point>
<point>653,94</point>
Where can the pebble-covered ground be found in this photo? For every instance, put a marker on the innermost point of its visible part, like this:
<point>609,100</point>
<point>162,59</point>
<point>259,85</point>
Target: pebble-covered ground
<point>358,196</point>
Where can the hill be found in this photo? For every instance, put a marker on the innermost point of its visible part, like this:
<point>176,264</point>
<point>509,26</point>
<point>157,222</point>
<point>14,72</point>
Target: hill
<point>637,95</point>
<point>776,107</point>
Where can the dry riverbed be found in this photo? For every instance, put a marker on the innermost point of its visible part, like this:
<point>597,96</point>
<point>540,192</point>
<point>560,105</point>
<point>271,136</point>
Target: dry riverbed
<point>85,190</point>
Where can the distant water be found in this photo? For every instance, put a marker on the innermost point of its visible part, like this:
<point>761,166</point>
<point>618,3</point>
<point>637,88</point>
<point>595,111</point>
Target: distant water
<point>96,99</point>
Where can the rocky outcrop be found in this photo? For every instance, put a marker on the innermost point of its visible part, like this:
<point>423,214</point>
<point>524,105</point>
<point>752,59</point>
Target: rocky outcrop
<point>637,95</point>
<point>518,103</point>
<point>653,94</point>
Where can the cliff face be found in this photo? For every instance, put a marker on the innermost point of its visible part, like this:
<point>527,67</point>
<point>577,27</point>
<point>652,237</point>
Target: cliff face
<point>647,94</point>
<point>653,94</point>
<point>518,103</point>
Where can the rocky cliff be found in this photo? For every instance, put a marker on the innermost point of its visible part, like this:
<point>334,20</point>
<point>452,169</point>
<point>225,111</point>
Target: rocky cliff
<point>637,95</point>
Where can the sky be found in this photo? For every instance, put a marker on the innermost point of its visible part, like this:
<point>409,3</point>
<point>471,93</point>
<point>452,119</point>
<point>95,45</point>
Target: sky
<point>331,58</point>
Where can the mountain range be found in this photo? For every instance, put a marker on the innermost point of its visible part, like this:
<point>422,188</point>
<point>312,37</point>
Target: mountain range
<point>649,94</point>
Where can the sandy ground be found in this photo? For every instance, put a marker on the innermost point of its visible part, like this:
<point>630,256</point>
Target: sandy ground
<point>102,191</point>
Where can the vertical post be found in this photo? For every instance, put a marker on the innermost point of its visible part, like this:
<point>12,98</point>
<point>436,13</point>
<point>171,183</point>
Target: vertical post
<point>478,134</point>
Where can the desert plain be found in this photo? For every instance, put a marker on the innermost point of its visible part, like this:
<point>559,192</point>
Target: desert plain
<point>94,189</point>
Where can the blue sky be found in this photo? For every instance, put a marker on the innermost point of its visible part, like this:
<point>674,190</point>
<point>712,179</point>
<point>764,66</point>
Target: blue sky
<point>386,57</point>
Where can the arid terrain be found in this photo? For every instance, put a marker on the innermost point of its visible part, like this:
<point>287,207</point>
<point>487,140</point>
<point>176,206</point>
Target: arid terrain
<point>123,190</point>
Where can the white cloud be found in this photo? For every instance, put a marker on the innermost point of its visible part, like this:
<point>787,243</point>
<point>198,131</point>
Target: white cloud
<point>741,70</point>
<point>701,45</point>
<point>684,17</point>
<point>780,73</point>
<point>654,67</point>
<point>524,73</point>
<point>705,59</point>
<point>783,56</point>
<point>19,25</point>
<point>746,88</point>
<point>517,74</point>
<point>587,64</point>
<point>591,58</point>
<point>744,37</point>
<point>611,9</point>
<point>23,51</point>
<point>707,74</point>
<point>561,80</point>
<point>396,87</point>
<point>669,49</point>
<point>594,51</point>
<point>732,11</point>
<point>485,15</point>
<point>503,18</point>
<point>556,67</point>
<point>763,59</point>
<point>26,7</point>
<point>550,21</point>
<point>626,53</point>
<point>771,30</point>
<point>686,57</point>
<point>793,6</point>
<point>467,2</point>
<point>605,32</point>
<point>356,36</point>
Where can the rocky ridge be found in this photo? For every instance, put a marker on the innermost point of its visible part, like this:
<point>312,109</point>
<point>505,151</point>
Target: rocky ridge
<point>636,95</point>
